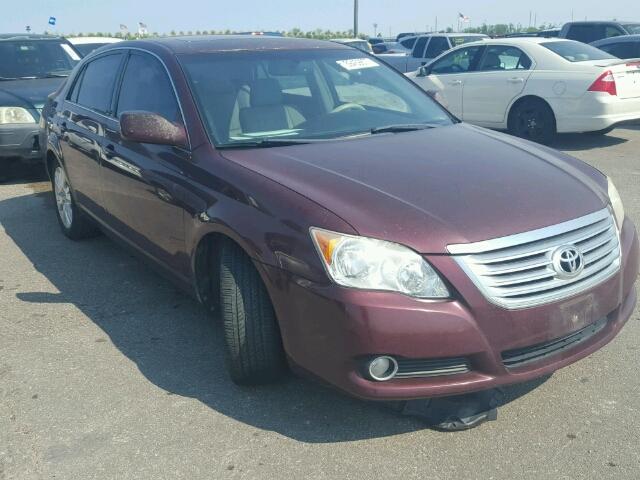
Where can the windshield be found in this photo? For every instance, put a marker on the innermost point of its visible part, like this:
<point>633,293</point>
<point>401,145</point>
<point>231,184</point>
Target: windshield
<point>36,59</point>
<point>577,51</point>
<point>632,28</point>
<point>86,48</point>
<point>305,94</point>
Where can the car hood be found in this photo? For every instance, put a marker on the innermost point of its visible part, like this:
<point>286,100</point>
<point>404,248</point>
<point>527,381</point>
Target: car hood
<point>31,93</point>
<point>433,188</point>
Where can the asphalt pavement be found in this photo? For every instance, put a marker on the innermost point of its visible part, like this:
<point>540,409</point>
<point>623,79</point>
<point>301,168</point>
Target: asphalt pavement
<point>108,372</point>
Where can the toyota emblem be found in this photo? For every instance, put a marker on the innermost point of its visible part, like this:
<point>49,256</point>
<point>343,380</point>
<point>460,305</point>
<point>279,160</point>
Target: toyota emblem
<point>568,262</point>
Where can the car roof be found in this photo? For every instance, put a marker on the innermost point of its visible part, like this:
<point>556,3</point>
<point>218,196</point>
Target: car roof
<point>28,36</point>
<point>618,39</point>
<point>223,43</point>
<point>519,40</point>
<point>606,22</point>
<point>452,35</point>
<point>84,40</point>
<point>341,40</point>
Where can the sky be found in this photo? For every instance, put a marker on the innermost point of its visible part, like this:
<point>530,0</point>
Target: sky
<point>392,16</point>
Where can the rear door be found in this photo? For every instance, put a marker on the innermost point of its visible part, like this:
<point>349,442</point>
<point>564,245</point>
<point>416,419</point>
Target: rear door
<point>436,47</point>
<point>84,119</point>
<point>500,77</point>
<point>140,180</point>
<point>416,59</point>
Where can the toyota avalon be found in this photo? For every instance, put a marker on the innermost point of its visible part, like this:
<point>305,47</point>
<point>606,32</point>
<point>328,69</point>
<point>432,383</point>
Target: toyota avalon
<point>337,219</point>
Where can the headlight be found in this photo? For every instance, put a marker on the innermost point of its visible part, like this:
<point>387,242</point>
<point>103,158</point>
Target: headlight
<point>616,203</point>
<point>370,264</point>
<point>15,115</point>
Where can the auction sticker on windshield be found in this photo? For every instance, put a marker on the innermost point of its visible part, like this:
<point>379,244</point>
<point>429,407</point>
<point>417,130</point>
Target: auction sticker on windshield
<point>357,63</point>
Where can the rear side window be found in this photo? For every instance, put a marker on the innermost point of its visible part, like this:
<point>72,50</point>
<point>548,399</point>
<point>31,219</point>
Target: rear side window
<point>622,50</point>
<point>408,43</point>
<point>418,49</point>
<point>500,58</point>
<point>576,51</point>
<point>437,46</point>
<point>585,33</point>
<point>95,88</point>
<point>146,87</point>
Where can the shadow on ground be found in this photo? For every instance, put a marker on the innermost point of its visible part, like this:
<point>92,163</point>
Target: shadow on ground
<point>174,343</point>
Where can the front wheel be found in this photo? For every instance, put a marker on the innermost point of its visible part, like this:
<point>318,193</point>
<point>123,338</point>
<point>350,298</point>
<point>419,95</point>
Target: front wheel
<point>533,120</point>
<point>73,222</point>
<point>254,345</point>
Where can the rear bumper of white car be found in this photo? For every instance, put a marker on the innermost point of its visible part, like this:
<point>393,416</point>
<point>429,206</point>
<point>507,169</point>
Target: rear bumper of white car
<point>594,111</point>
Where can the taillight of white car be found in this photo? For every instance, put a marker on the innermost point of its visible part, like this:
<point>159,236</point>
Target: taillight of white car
<point>605,83</point>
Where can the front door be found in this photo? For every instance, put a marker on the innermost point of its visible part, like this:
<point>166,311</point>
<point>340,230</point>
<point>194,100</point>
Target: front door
<point>140,180</point>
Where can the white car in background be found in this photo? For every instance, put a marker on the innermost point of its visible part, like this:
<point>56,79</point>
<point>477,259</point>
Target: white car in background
<point>86,45</point>
<point>535,87</point>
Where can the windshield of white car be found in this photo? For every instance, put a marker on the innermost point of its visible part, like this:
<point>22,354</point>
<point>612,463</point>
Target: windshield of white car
<point>576,51</point>
<point>28,59</point>
<point>632,28</point>
<point>246,96</point>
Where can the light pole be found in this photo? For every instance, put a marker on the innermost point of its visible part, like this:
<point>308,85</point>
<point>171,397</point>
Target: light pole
<point>355,18</point>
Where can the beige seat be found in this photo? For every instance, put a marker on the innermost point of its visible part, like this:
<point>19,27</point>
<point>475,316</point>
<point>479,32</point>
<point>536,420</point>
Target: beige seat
<point>266,111</point>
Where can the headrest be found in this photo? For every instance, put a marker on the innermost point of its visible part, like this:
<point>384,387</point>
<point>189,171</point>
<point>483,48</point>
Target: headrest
<point>265,92</point>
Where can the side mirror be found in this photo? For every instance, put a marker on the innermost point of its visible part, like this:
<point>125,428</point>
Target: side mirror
<point>147,127</point>
<point>424,71</point>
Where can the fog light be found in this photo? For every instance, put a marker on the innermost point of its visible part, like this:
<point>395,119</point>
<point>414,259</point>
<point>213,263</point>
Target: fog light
<point>382,368</point>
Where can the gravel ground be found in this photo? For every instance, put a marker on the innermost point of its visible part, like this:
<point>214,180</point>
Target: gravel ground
<point>106,371</point>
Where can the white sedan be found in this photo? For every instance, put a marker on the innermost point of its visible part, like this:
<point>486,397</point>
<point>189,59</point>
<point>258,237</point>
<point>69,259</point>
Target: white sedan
<point>535,87</point>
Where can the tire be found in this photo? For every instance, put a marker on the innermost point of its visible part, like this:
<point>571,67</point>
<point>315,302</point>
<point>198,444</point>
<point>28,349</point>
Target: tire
<point>73,222</point>
<point>533,120</point>
<point>254,344</point>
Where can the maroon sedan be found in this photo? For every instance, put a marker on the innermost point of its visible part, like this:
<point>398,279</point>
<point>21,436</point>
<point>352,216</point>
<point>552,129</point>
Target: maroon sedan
<point>337,218</point>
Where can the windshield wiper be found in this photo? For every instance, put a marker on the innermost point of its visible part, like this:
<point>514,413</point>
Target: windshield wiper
<point>408,127</point>
<point>267,142</point>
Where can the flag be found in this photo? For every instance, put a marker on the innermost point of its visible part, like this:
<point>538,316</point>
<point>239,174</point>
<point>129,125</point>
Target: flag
<point>462,17</point>
<point>123,28</point>
<point>52,20</point>
<point>142,29</point>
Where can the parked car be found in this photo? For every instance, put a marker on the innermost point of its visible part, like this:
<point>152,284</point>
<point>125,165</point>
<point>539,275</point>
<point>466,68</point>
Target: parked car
<point>339,219</point>
<point>86,45</point>
<point>549,33</point>
<point>625,47</point>
<point>31,67</point>
<point>535,87</point>
<point>588,32</point>
<point>389,47</point>
<point>400,36</point>
<point>355,43</point>
<point>428,47</point>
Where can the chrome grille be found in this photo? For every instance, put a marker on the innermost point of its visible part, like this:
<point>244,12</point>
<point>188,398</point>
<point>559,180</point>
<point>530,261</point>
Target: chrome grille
<point>518,271</point>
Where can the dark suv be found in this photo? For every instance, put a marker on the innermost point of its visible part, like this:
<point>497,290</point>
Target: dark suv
<point>337,218</point>
<point>31,68</point>
<point>588,32</point>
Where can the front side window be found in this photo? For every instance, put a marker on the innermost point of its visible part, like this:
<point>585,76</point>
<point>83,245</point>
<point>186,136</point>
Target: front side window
<point>418,49</point>
<point>95,88</point>
<point>576,51</point>
<point>611,31</point>
<point>36,59</point>
<point>460,61</point>
<point>437,46</point>
<point>308,94</point>
<point>500,58</point>
<point>146,87</point>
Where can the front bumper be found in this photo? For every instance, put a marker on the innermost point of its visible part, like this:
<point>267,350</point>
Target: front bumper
<point>593,112</point>
<point>329,331</point>
<point>20,141</point>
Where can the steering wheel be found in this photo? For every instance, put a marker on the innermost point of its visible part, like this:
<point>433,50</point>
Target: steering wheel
<point>347,106</point>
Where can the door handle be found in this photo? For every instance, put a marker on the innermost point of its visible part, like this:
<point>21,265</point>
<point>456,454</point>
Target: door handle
<point>516,80</point>
<point>455,82</point>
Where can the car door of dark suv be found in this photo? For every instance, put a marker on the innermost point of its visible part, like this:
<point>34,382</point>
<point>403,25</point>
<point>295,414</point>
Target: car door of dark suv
<point>84,118</point>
